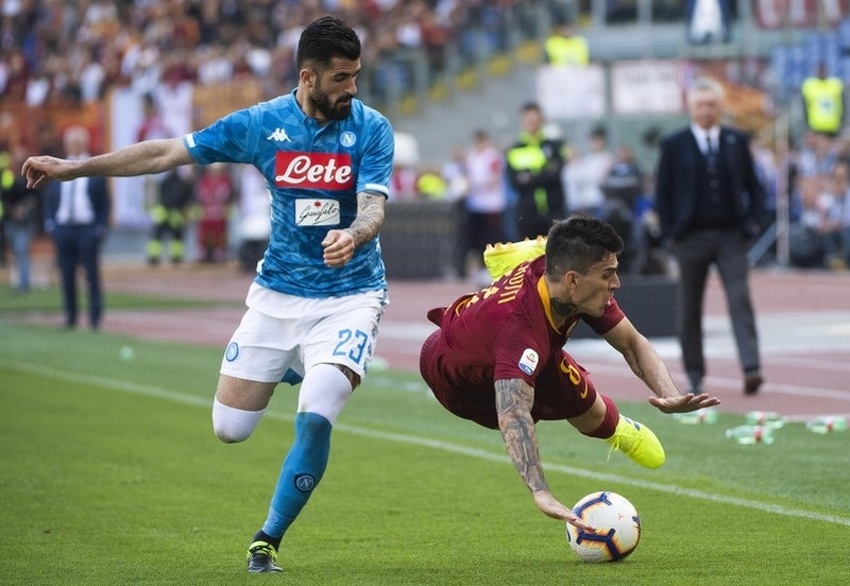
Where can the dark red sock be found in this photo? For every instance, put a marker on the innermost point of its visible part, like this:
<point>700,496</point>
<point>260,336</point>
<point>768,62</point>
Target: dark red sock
<point>609,423</point>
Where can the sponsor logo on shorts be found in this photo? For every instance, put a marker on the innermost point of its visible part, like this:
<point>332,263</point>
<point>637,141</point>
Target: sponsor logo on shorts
<point>232,352</point>
<point>304,482</point>
<point>529,360</point>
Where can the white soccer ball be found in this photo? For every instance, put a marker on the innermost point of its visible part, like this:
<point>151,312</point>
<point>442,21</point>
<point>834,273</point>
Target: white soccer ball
<point>617,528</point>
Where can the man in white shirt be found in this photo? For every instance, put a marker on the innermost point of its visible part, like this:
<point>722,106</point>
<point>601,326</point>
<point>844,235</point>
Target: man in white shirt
<point>76,215</point>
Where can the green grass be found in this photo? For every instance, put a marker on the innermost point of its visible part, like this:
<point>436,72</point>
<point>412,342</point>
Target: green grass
<point>50,299</point>
<point>110,474</point>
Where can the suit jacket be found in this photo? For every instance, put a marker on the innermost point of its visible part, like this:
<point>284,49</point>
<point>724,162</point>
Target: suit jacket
<point>678,172</point>
<point>98,193</point>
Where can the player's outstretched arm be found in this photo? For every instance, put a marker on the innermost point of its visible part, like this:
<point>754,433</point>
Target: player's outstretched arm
<point>647,365</point>
<point>151,156</point>
<point>514,398</point>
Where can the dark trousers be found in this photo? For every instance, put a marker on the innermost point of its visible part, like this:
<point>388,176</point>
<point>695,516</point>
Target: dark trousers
<point>79,246</point>
<point>727,250</point>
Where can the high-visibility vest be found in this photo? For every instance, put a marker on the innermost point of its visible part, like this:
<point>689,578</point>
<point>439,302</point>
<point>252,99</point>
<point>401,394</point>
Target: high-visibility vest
<point>567,50</point>
<point>824,99</point>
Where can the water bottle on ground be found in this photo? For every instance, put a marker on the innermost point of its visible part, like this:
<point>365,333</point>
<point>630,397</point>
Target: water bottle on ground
<point>827,424</point>
<point>751,434</point>
<point>706,415</point>
<point>769,419</point>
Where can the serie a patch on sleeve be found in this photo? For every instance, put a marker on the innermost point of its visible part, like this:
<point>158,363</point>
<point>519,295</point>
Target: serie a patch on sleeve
<point>528,361</point>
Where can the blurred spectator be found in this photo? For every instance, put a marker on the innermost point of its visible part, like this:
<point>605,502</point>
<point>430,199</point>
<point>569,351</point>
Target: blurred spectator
<point>842,179</point>
<point>76,215</point>
<point>169,216</point>
<point>624,181</point>
<point>817,156</point>
<point>254,217</point>
<point>19,215</point>
<point>484,203</point>
<point>832,203</point>
<point>586,173</point>
<point>534,164</point>
<point>823,102</point>
<point>430,185</point>
<point>566,47</point>
<point>622,188</point>
<point>214,193</point>
<point>806,249</point>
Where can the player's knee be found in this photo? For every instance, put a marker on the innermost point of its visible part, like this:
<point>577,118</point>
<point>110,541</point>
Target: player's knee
<point>234,425</point>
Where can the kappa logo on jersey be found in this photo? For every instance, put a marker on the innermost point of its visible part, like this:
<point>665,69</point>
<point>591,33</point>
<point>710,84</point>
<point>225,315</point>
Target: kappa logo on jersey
<point>330,171</point>
<point>529,360</point>
<point>279,135</point>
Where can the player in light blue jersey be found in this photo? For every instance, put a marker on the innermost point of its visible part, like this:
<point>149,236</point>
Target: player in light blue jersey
<point>320,289</point>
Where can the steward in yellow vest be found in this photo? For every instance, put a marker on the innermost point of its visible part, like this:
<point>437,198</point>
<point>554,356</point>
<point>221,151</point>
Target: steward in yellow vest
<point>564,47</point>
<point>823,99</point>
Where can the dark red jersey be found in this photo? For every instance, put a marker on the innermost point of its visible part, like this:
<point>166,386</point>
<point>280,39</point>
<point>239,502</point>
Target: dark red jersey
<point>506,331</point>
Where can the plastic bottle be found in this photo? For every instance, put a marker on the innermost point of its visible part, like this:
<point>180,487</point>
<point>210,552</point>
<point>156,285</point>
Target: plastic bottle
<point>827,423</point>
<point>769,419</point>
<point>706,415</point>
<point>751,434</point>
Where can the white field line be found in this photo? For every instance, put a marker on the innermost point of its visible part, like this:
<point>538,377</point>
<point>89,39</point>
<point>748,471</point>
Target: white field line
<point>178,397</point>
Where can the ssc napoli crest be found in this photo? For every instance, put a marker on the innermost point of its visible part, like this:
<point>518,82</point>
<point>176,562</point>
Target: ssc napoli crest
<point>304,482</point>
<point>232,352</point>
<point>347,139</point>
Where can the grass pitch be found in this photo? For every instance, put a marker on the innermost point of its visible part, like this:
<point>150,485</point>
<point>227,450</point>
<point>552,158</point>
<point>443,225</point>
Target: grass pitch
<point>110,474</point>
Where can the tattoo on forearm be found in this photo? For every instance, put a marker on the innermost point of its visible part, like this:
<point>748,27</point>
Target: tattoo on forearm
<point>514,399</point>
<point>370,217</point>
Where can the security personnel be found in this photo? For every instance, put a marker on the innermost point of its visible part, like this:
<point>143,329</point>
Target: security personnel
<point>564,47</point>
<point>534,165</point>
<point>169,218</point>
<point>823,99</point>
<point>431,186</point>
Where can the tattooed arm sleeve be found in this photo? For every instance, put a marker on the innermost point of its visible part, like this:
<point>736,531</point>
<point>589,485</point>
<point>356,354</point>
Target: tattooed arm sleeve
<point>514,398</point>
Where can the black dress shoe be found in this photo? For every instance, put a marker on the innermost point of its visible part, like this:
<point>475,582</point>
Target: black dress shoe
<point>752,383</point>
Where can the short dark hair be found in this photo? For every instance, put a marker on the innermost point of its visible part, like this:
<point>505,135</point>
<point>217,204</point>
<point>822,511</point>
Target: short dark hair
<point>325,38</point>
<point>530,106</point>
<point>578,243</point>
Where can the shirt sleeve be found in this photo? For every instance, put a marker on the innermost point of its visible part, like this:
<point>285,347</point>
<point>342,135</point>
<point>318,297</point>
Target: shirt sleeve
<point>226,140</point>
<point>377,163</point>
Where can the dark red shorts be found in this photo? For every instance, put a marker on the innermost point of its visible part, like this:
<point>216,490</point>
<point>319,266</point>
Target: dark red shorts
<point>563,390</point>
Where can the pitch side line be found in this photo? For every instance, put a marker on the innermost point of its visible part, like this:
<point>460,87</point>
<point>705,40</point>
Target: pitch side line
<point>178,397</point>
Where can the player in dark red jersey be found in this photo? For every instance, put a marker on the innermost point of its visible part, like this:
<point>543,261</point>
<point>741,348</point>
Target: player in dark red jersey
<point>498,359</point>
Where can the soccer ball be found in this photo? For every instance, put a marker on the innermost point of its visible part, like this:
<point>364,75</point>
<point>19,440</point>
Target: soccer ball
<point>617,528</point>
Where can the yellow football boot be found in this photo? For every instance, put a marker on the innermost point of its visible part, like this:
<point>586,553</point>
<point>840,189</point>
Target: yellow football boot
<point>501,259</point>
<point>637,442</point>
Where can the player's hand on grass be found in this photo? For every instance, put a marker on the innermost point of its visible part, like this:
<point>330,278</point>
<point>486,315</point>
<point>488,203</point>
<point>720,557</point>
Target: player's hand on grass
<point>684,403</point>
<point>551,507</point>
<point>338,248</point>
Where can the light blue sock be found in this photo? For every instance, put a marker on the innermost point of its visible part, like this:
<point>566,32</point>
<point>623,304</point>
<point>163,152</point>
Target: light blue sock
<point>302,470</point>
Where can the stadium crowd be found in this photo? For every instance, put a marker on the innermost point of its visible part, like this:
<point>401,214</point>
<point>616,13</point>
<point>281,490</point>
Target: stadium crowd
<point>55,52</point>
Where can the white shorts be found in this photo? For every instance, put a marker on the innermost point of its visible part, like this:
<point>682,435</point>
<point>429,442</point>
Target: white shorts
<point>281,336</point>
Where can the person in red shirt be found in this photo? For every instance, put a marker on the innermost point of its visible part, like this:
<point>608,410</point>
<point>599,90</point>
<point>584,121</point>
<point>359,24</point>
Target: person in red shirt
<point>497,358</point>
<point>214,194</point>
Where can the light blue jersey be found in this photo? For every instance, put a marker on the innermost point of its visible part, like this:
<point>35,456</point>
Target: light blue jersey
<point>314,173</point>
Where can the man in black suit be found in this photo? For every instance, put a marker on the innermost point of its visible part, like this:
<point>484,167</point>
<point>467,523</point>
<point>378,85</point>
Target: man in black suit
<point>76,215</point>
<point>709,200</point>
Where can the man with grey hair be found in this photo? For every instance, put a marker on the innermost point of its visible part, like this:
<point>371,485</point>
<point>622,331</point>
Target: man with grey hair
<point>709,199</point>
